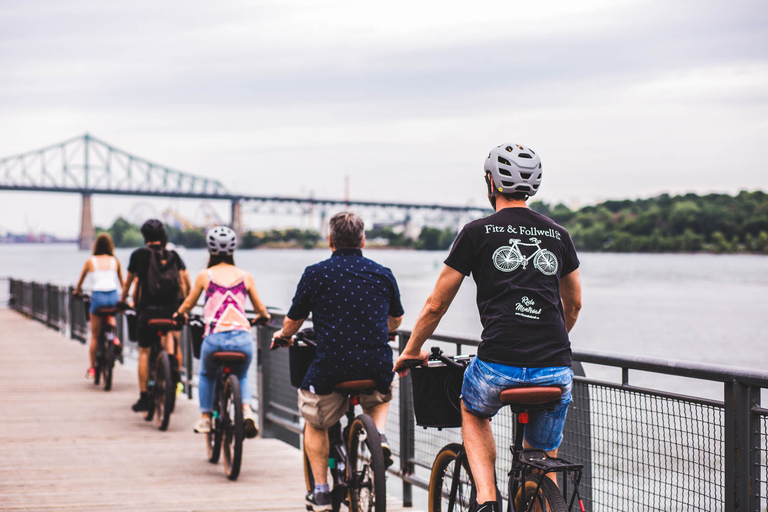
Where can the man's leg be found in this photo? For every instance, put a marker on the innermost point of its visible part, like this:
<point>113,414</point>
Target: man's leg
<point>481,453</point>
<point>144,353</point>
<point>316,447</point>
<point>378,414</point>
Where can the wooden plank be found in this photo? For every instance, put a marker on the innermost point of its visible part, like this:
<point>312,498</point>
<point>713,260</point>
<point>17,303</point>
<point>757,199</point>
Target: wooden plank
<point>68,445</point>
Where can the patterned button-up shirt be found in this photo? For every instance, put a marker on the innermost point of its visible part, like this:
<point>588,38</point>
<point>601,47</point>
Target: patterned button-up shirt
<point>350,298</point>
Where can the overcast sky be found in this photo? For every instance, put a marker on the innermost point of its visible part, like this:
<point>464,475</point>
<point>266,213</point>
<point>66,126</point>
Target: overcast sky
<point>621,98</point>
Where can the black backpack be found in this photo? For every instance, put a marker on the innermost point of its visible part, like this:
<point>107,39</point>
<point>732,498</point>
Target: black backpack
<point>163,281</point>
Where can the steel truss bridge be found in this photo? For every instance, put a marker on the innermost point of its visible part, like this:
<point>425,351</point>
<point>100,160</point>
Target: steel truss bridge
<point>86,165</point>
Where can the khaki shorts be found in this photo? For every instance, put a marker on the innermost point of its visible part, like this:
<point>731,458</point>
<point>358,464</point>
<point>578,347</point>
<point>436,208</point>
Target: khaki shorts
<point>322,411</point>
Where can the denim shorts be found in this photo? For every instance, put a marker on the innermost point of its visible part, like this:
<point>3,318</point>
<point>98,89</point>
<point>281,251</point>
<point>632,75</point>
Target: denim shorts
<point>103,300</point>
<point>484,382</point>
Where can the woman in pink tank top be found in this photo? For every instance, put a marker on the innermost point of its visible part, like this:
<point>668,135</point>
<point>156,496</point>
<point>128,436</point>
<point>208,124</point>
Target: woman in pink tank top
<point>227,328</point>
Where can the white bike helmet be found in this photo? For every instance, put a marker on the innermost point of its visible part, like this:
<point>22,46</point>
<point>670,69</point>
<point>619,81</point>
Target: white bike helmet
<point>221,240</point>
<point>514,168</point>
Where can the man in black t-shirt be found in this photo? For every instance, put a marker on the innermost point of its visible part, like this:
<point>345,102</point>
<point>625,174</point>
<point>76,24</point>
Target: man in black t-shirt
<point>528,295</point>
<point>153,301</point>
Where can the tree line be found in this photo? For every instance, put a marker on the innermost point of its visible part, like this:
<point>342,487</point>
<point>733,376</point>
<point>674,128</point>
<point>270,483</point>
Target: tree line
<point>717,223</point>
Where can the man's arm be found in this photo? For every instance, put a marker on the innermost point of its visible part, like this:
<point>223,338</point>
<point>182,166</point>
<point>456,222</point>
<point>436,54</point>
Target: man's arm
<point>127,285</point>
<point>393,322</point>
<point>447,286</point>
<point>570,294</point>
<point>185,283</point>
<point>290,327</point>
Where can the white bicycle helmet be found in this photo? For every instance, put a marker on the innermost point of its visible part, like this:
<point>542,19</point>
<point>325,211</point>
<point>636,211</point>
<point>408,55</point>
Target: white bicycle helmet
<point>221,240</point>
<point>514,168</point>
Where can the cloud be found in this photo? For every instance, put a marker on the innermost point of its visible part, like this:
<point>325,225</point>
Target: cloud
<point>277,96</point>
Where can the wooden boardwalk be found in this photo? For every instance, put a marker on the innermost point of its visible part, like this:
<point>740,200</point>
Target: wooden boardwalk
<point>66,445</point>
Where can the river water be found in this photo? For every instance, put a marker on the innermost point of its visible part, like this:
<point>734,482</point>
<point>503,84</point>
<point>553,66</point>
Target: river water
<point>693,307</point>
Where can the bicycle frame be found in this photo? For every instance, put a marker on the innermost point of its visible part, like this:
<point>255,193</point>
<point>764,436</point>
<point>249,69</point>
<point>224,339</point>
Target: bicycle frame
<point>515,247</point>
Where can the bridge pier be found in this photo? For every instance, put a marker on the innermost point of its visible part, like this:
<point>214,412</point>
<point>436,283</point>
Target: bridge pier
<point>237,217</point>
<point>87,233</point>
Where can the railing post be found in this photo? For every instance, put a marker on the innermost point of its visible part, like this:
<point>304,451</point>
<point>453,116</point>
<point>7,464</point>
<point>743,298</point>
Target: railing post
<point>407,436</point>
<point>71,307</point>
<point>742,473</point>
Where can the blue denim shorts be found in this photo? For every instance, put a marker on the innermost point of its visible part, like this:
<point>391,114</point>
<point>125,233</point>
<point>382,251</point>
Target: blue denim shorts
<point>484,382</point>
<point>103,300</point>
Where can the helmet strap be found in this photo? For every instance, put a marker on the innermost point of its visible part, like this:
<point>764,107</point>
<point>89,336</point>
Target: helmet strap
<point>491,191</point>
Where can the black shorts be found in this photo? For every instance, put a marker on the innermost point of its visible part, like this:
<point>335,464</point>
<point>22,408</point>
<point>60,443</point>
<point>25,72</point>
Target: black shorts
<point>147,335</point>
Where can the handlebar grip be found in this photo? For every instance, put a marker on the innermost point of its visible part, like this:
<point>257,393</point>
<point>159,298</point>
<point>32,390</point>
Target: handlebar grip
<point>411,363</point>
<point>260,320</point>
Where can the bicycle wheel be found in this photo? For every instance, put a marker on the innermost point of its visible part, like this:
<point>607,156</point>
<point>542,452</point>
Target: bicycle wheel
<point>164,391</point>
<point>97,367</point>
<point>366,469</point>
<point>442,480</point>
<point>546,262</point>
<point>107,359</point>
<point>232,426</point>
<point>213,438</point>
<point>549,498</point>
<point>506,259</point>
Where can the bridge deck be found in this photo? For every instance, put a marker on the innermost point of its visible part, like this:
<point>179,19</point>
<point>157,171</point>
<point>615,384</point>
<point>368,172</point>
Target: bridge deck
<point>66,444</point>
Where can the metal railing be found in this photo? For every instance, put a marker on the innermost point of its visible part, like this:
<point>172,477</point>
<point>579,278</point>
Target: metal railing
<point>643,449</point>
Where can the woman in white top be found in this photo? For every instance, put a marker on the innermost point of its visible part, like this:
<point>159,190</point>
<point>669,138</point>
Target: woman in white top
<point>106,283</point>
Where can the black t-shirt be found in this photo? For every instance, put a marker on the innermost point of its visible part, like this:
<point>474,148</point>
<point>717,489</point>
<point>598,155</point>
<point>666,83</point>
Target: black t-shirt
<point>517,257</point>
<point>139,266</point>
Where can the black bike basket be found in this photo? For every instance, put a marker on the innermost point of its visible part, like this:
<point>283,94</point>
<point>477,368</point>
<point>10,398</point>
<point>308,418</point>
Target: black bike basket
<point>299,359</point>
<point>196,330</point>
<point>132,319</point>
<point>436,396</point>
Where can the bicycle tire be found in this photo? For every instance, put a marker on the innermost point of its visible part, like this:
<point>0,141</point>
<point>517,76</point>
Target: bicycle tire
<point>108,360</point>
<point>442,478</point>
<point>97,367</point>
<point>366,470</point>
<point>213,438</point>
<point>232,426</point>
<point>164,391</point>
<point>549,498</point>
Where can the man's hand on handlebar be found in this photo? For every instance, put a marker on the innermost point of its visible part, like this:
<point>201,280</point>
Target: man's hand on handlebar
<point>179,318</point>
<point>280,340</point>
<point>408,360</point>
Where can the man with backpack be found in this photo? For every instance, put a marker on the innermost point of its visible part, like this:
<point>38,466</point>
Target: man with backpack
<point>161,284</point>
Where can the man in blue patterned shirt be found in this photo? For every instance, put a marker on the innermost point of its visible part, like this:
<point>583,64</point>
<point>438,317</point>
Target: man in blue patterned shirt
<point>354,303</point>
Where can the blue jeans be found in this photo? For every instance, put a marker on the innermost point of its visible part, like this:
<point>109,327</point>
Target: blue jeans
<point>103,300</point>
<point>484,382</point>
<point>229,341</point>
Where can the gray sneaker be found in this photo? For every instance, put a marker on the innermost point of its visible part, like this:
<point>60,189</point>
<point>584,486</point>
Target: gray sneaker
<point>319,501</point>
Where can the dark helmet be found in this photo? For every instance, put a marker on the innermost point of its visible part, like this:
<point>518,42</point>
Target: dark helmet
<point>153,231</point>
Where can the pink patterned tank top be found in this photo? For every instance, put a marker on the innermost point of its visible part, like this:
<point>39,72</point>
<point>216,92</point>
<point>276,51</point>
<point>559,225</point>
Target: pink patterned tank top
<point>224,308</point>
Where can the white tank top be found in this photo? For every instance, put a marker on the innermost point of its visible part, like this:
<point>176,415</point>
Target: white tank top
<point>104,280</point>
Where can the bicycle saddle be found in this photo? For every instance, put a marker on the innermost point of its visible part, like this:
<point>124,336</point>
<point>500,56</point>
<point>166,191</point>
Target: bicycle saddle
<point>531,396</point>
<point>166,323</point>
<point>107,311</point>
<point>228,357</point>
<point>355,385</point>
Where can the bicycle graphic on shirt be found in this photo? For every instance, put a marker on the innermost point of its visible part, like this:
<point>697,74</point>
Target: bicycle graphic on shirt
<point>508,257</point>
